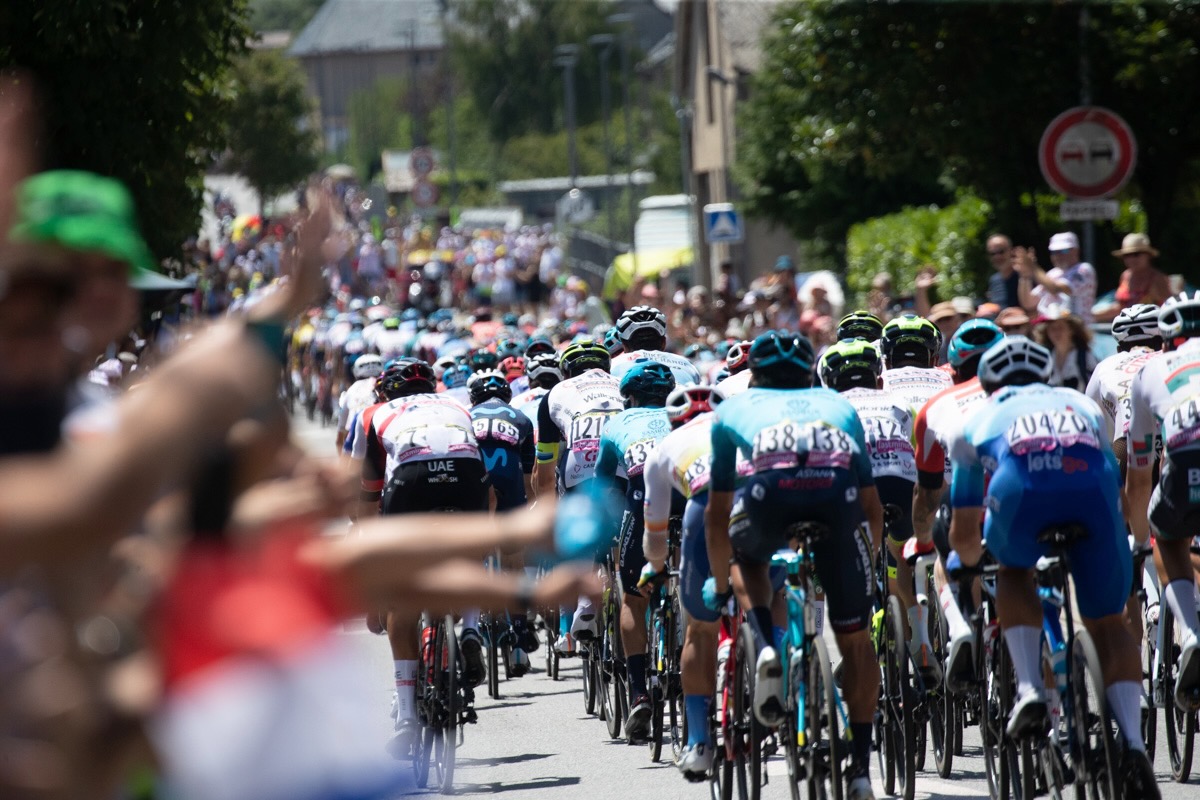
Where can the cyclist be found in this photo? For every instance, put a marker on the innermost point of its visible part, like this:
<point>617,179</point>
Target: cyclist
<point>543,374</point>
<point>455,380</point>
<point>628,440</point>
<point>1166,402</point>
<point>809,462</point>
<point>571,417</point>
<point>505,438</point>
<point>936,423</point>
<point>358,395</point>
<point>737,362</point>
<point>642,331</point>
<point>539,346</point>
<point>910,347</point>
<point>852,368</point>
<point>1049,464</point>
<point>513,369</point>
<point>680,464</point>
<point>860,325</point>
<point>612,342</point>
<point>421,455</point>
<point>1138,340</point>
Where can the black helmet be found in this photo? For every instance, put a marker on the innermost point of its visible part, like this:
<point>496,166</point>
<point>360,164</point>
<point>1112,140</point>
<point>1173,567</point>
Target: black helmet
<point>488,384</point>
<point>860,325</point>
<point>910,338</point>
<point>407,376</point>
<point>583,355</point>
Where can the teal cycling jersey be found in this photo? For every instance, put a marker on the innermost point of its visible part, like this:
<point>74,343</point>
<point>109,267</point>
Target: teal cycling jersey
<point>787,429</point>
<point>1046,438</point>
<point>628,440</point>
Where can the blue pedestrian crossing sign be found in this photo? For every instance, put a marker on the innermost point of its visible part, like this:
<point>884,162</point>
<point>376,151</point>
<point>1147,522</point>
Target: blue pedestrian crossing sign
<point>722,224</point>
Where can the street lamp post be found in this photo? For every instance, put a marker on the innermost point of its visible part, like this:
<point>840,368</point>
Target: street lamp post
<point>451,154</point>
<point>604,41</point>
<point>567,56</point>
<point>718,252</point>
<point>625,22</point>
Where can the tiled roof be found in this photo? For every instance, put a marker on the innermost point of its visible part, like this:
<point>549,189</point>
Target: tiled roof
<point>363,26</point>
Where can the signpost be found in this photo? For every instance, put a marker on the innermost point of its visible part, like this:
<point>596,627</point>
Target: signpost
<point>424,193</point>
<point>576,207</point>
<point>722,224</point>
<point>422,162</point>
<point>1087,153</point>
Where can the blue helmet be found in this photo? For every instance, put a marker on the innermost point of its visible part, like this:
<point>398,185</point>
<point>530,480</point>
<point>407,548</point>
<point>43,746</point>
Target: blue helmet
<point>648,382</point>
<point>540,345</point>
<point>456,376</point>
<point>783,349</point>
<point>973,338</point>
<point>613,343</point>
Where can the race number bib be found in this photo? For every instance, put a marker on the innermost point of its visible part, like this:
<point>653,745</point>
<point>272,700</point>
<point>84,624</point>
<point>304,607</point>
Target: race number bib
<point>636,455</point>
<point>890,448</point>
<point>695,477</point>
<point>432,441</point>
<point>789,444</point>
<point>496,430</point>
<point>586,430</point>
<point>1050,430</point>
<point>1181,425</point>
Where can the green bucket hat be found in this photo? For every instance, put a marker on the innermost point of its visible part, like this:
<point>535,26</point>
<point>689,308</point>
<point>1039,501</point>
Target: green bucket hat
<point>82,211</point>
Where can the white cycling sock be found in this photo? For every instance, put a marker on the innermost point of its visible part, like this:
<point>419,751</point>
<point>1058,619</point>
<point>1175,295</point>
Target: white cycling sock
<point>953,614</point>
<point>1025,648</point>
<point>1125,702</point>
<point>406,688</point>
<point>470,619</point>
<point>1181,594</point>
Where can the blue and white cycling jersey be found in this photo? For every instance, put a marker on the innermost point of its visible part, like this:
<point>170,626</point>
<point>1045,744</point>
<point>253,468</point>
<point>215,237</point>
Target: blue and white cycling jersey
<point>1051,463</point>
<point>787,429</point>
<point>628,440</point>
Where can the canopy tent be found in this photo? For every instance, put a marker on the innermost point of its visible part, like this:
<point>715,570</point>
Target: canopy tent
<point>649,264</point>
<point>157,282</point>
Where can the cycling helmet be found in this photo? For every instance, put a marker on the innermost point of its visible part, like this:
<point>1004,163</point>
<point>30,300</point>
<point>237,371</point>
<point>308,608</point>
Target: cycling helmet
<point>738,357</point>
<point>543,369</point>
<point>410,315</point>
<point>973,338</point>
<point>582,355</point>
<point>612,342</point>
<point>442,364</point>
<point>860,325</point>
<point>783,355</point>
<point>849,364</point>
<point>688,402</point>
<point>391,323</point>
<point>508,348</point>
<point>540,345</point>
<point>1014,361</point>
<point>513,367</point>
<point>408,377</point>
<point>642,328</point>
<point>367,366</point>
<point>910,338</point>
<point>456,376</point>
<point>481,359</point>
<point>488,384</point>
<point>697,351</point>
<point>510,320</point>
<point>648,382</point>
<point>1179,317</point>
<point>1136,324</point>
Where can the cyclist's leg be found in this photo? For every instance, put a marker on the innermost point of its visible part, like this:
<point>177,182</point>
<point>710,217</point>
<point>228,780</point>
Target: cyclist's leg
<point>959,663</point>
<point>698,664</point>
<point>898,492</point>
<point>402,496</point>
<point>633,607</point>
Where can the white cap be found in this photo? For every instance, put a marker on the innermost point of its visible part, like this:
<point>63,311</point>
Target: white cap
<point>1064,241</point>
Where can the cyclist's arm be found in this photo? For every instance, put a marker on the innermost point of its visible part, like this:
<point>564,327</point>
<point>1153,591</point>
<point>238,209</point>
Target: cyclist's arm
<point>931,461</point>
<point>657,508</point>
<point>867,493</point>
<point>720,504</point>
<point>549,442</point>
<point>966,498</point>
<point>1139,455</point>
<point>528,453</point>
<point>372,476</point>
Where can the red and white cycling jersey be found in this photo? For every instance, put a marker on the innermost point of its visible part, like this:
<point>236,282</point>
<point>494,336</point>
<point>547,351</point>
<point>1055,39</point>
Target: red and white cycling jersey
<point>1111,387</point>
<point>937,424</point>
<point>888,425</point>
<point>573,415</point>
<point>422,427</point>
<point>1166,402</point>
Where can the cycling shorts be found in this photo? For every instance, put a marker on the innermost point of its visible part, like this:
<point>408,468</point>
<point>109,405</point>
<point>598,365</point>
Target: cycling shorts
<point>773,500</point>
<point>1019,510</point>
<point>631,553</point>
<point>503,465</point>
<point>1175,504</point>
<point>460,484</point>
<point>694,568</point>
<point>898,492</point>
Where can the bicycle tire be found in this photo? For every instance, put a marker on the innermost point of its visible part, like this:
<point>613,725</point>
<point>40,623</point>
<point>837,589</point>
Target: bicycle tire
<point>721,778</point>
<point>1095,766</point>
<point>1150,712</point>
<point>825,745</point>
<point>448,689</point>
<point>656,657</point>
<point>590,689</point>
<point>995,701</point>
<point>748,745</point>
<point>897,705</point>
<point>423,747</point>
<point>942,704</point>
<point>612,687</point>
<point>493,656</point>
<point>676,716</point>
<point>795,699</point>
<point>1180,725</point>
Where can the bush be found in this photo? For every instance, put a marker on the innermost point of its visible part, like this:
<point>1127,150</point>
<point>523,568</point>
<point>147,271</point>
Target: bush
<point>951,239</point>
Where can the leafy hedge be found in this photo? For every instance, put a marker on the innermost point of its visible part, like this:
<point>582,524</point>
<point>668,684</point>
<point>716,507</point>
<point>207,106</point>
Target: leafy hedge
<point>950,238</point>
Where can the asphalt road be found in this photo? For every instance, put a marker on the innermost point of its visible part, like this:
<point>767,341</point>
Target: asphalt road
<point>536,741</point>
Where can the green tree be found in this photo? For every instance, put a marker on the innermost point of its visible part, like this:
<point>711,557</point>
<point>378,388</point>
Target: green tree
<point>134,89</point>
<point>861,106</point>
<point>271,137</point>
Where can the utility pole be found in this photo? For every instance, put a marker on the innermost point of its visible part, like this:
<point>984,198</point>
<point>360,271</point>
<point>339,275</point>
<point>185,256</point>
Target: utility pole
<point>1085,99</point>
<point>451,149</point>
<point>604,41</point>
<point>566,57</point>
<point>625,22</point>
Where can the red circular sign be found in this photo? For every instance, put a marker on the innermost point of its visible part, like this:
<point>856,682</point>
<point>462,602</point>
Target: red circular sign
<point>424,193</point>
<point>422,162</point>
<point>1087,152</point>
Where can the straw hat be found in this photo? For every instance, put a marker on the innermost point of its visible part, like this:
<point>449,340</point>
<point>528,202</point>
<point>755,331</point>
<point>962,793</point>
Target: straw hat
<point>1135,243</point>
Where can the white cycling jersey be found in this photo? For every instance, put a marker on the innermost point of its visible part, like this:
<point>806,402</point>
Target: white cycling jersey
<point>393,344</point>
<point>573,415</point>
<point>357,396</point>
<point>888,425</point>
<point>1166,401</point>
<point>735,384</point>
<point>527,402</point>
<point>684,371</point>
<point>915,385</point>
<point>423,427</point>
<point>1111,387</point>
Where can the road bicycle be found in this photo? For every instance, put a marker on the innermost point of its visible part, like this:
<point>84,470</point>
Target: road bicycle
<point>664,651</point>
<point>895,723</point>
<point>444,703</point>
<point>1180,725</point>
<point>813,704</point>
<point>612,687</point>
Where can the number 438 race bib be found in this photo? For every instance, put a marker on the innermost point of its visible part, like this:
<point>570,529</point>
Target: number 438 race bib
<point>790,444</point>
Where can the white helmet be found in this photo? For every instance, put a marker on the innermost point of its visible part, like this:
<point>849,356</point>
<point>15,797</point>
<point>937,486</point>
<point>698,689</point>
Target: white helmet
<point>367,366</point>
<point>442,364</point>
<point>1138,323</point>
<point>1012,356</point>
<point>1180,316</point>
<point>686,402</point>
<point>641,319</point>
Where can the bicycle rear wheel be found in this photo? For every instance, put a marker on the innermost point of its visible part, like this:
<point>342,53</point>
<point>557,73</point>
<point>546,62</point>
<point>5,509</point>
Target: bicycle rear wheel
<point>674,679</point>
<point>999,757</point>
<point>1180,725</point>
<point>1095,759</point>
<point>492,627</point>
<point>657,659</point>
<point>821,722</point>
<point>747,730</point>
<point>897,752</point>
<point>612,685</point>
<point>586,653</point>
<point>447,684</point>
<point>943,714</point>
